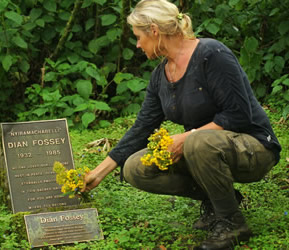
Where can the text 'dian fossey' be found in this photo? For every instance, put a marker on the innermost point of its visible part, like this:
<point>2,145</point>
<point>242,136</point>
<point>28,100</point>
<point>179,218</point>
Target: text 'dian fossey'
<point>30,150</point>
<point>63,227</point>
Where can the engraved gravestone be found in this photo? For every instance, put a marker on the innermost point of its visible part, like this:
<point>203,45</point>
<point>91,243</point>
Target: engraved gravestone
<point>63,227</point>
<point>30,150</point>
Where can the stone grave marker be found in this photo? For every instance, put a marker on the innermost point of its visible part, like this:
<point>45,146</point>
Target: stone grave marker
<point>30,150</point>
<point>63,227</point>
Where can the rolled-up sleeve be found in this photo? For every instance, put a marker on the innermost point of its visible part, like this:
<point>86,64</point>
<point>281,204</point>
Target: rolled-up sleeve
<point>149,118</point>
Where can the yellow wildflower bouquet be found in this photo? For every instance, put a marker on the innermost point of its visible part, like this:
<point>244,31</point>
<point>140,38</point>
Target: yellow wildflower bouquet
<point>72,180</point>
<point>158,150</point>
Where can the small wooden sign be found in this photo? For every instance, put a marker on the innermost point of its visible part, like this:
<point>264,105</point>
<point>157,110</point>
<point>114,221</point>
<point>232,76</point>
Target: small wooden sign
<point>64,227</point>
<point>30,150</point>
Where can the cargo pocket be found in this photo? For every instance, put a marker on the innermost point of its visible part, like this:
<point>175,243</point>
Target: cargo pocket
<point>243,152</point>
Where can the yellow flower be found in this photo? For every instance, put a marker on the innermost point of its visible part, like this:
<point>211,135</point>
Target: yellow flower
<point>72,180</point>
<point>158,153</point>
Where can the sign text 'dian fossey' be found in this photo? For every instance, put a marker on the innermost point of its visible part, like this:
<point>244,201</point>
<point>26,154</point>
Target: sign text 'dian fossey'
<point>63,227</point>
<point>30,150</point>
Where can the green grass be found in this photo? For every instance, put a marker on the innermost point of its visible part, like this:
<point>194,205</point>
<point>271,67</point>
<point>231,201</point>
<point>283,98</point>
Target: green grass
<point>133,219</point>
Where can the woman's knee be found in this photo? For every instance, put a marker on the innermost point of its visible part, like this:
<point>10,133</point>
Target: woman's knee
<point>131,166</point>
<point>198,142</point>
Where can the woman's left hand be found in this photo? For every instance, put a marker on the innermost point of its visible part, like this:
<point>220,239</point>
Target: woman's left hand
<point>177,147</point>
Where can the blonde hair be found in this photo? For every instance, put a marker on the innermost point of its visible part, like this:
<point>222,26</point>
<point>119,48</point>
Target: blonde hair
<point>165,15</point>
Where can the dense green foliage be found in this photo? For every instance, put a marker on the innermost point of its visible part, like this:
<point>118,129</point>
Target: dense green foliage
<point>77,59</point>
<point>133,219</point>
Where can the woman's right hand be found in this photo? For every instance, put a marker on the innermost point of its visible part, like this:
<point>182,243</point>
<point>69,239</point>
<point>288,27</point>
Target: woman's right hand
<point>93,178</point>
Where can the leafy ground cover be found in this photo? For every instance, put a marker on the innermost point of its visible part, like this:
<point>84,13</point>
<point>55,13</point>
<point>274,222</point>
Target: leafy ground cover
<point>133,219</point>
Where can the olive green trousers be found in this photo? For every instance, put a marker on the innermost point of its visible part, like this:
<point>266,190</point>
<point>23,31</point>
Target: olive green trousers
<point>213,160</point>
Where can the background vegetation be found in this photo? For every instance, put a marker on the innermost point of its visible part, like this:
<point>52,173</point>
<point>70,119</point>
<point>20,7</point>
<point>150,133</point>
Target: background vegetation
<point>77,59</point>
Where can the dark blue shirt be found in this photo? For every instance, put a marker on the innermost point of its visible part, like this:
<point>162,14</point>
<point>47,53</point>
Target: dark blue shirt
<point>214,88</point>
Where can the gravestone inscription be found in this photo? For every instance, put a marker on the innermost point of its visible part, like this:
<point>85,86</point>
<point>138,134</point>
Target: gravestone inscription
<point>30,150</point>
<point>63,227</point>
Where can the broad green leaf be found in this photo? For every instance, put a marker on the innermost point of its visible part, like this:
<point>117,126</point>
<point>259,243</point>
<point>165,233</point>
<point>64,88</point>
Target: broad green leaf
<point>61,105</point>
<point>51,96</point>
<point>15,17</point>
<point>76,28</point>
<point>93,73</point>
<point>283,27</point>
<point>35,13</point>
<point>89,24</point>
<point>111,67</point>
<point>40,111</point>
<point>104,123</point>
<point>84,88</point>
<point>81,65</point>
<point>100,105</point>
<point>7,62</point>
<point>50,76</point>
<point>286,95</point>
<point>63,66</point>
<point>48,35</point>
<point>65,15</point>
<point>100,2</point>
<point>77,100</point>
<point>232,3</point>
<point>286,82</point>
<point>95,45</point>
<point>261,90</point>
<point>269,66</point>
<point>279,61</point>
<point>121,88</point>
<point>40,23</point>
<point>213,28</point>
<point>113,34</point>
<point>102,81</point>
<point>119,77</point>
<point>251,44</point>
<point>269,56</point>
<point>87,54</point>
<point>218,21</point>
<point>86,3</point>
<point>3,4</point>
<point>50,5</point>
<point>285,112</point>
<point>133,108</point>
<point>117,98</point>
<point>29,26</point>
<point>73,58</point>
<point>24,66</point>
<point>68,112</point>
<point>87,118</point>
<point>81,107</point>
<point>135,85</point>
<point>274,11</point>
<point>48,18</point>
<point>27,34</point>
<point>20,42</point>
<point>107,19</point>
<point>68,98</point>
<point>276,89</point>
<point>66,3</point>
<point>127,54</point>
